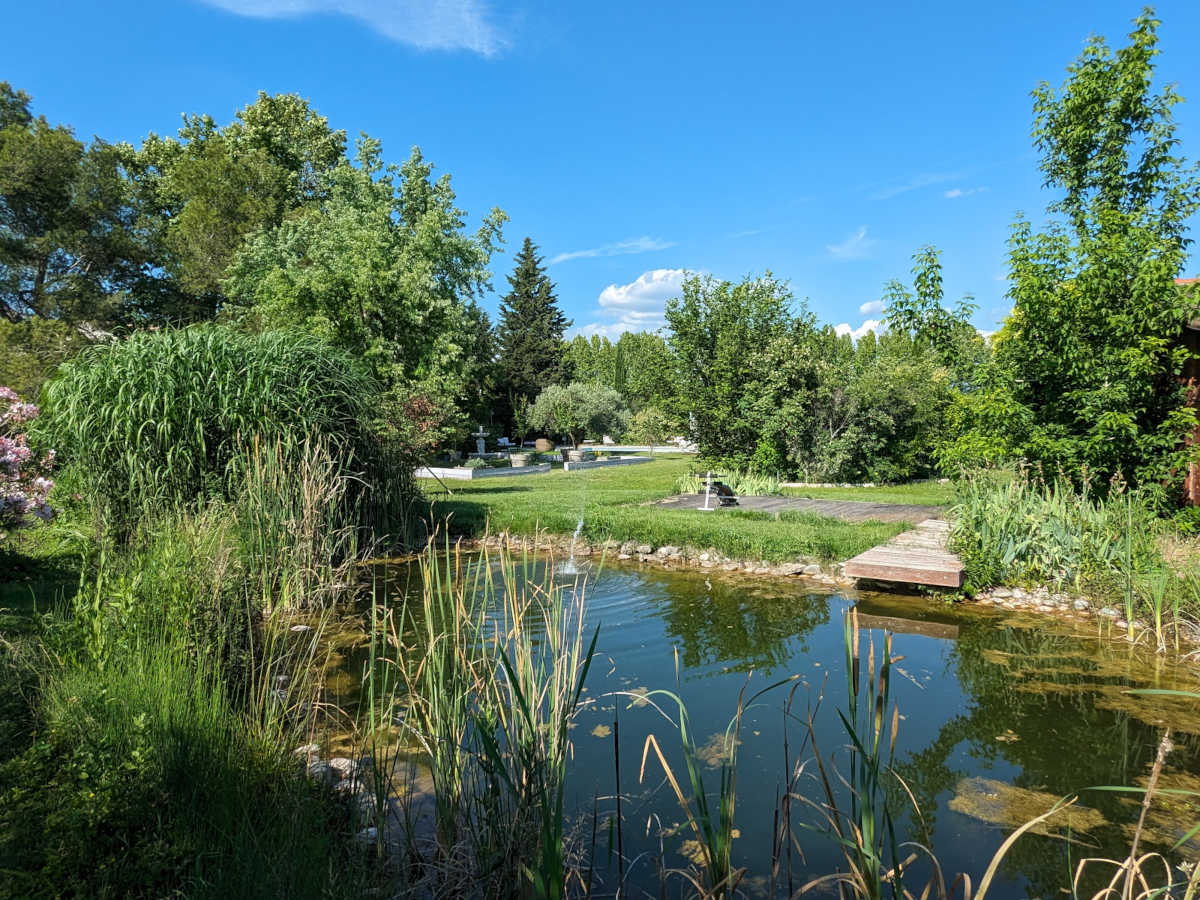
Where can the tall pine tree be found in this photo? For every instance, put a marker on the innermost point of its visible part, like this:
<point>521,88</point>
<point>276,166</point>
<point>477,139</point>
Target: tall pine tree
<point>530,330</point>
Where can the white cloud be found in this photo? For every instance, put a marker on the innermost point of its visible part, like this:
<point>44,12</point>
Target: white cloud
<point>915,183</point>
<point>642,244</point>
<point>637,306</point>
<point>428,24</point>
<point>955,193</point>
<point>856,333</point>
<point>871,306</point>
<point>857,246</point>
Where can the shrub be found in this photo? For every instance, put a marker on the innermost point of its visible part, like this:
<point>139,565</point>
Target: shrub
<point>651,425</point>
<point>159,417</point>
<point>24,485</point>
<point>579,409</point>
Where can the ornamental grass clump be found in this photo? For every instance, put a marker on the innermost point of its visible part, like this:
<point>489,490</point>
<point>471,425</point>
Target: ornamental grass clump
<point>159,419</point>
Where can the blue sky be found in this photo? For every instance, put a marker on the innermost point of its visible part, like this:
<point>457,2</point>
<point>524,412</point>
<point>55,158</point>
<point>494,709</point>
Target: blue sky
<point>635,140</point>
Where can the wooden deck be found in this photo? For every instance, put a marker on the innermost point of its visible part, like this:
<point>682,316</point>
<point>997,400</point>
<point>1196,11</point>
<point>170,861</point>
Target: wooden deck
<point>918,556</point>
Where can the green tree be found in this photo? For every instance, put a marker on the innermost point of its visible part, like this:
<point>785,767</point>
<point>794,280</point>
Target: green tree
<point>578,409</point>
<point>728,341</point>
<point>68,246</point>
<point>1092,343</point>
<point>919,314</point>
<point>205,191</point>
<point>649,370</point>
<point>530,330</point>
<point>590,359</point>
<point>651,425</point>
<point>384,268</point>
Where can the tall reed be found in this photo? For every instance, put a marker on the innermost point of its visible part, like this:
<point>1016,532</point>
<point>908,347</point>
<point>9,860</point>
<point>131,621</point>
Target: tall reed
<point>712,828</point>
<point>485,675</point>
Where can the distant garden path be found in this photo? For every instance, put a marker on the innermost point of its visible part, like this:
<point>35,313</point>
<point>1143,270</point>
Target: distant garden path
<point>846,510</point>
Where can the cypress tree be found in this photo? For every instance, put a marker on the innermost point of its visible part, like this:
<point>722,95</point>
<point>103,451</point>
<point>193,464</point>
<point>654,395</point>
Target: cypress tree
<point>531,329</point>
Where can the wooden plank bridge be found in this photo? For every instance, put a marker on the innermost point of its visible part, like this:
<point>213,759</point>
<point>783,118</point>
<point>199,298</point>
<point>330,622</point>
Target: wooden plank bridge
<point>918,556</point>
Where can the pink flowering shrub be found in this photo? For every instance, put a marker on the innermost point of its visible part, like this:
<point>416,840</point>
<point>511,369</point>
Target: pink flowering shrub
<point>24,482</point>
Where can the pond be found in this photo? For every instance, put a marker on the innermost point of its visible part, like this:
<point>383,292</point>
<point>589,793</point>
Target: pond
<point>1000,715</point>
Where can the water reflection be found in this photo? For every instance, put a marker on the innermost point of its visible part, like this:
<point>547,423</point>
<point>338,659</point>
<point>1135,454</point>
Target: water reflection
<point>1001,716</point>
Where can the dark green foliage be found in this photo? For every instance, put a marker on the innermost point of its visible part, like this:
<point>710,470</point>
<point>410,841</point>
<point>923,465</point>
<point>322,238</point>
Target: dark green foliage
<point>159,418</point>
<point>70,249</point>
<point>530,330</point>
<point>384,269</point>
<point>202,193</point>
<point>768,391</point>
<point>144,782</point>
<point>30,351</point>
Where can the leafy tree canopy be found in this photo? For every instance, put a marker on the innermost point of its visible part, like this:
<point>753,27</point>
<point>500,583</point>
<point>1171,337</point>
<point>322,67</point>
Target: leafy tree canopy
<point>1092,346</point>
<point>384,268</point>
<point>579,409</point>
<point>68,246</point>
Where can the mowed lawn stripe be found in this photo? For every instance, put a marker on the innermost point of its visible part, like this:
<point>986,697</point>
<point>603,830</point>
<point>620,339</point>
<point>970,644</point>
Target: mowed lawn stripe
<point>618,503</point>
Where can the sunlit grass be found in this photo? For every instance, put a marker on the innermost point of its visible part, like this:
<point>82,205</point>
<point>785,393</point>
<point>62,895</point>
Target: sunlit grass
<point>618,503</point>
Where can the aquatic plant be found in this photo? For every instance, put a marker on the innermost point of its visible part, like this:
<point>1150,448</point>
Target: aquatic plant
<point>712,828</point>
<point>485,675</point>
<point>1023,529</point>
<point>745,484</point>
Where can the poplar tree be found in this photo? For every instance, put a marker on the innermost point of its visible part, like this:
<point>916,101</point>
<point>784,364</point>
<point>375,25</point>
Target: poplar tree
<point>531,329</point>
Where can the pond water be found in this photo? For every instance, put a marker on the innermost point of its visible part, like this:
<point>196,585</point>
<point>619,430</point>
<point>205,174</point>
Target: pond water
<point>1000,716</point>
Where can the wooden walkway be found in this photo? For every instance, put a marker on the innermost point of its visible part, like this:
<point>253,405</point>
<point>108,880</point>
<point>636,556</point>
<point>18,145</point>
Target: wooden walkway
<point>918,556</point>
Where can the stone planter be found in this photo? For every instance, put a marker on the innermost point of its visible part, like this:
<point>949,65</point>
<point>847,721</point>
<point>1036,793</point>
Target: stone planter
<point>541,445</point>
<point>518,459</point>
<point>578,456</point>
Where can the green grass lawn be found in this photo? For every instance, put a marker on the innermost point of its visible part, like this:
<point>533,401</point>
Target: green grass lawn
<point>39,570</point>
<point>920,493</point>
<point>614,503</point>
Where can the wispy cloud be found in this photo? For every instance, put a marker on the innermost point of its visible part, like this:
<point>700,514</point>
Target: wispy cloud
<point>871,306</point>
<point>428,24</point>
<point>857,246</point>
<point>955,193</point>
<point>642,244</point>
<point>749,232</point>
<point>856,333</point>
<point>915,184</point>
<point>636,306</point>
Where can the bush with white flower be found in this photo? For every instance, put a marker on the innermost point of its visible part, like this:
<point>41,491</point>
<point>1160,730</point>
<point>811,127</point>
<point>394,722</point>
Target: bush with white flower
<point>24,479</point>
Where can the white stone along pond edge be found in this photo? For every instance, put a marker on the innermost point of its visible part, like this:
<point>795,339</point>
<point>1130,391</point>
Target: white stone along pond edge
<point>464,473</point>
<point>600,463</point>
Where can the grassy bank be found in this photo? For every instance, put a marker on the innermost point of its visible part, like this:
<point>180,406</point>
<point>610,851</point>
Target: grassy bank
<point>618,503</point>
<point>152,695</point>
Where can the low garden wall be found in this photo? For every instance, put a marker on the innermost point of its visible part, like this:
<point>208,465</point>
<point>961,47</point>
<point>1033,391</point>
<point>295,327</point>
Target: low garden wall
<point>598,463</point>
<point>466,473</point>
